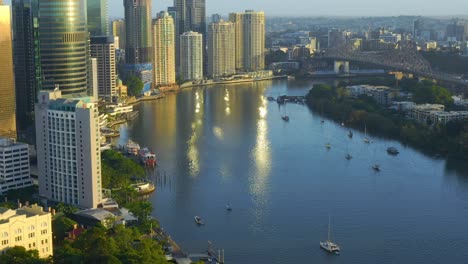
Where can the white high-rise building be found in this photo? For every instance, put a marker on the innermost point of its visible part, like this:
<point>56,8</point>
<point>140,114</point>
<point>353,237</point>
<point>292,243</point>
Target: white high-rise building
<point>221,49</point>
<point>164,50</point>
<point>14,165</point>
<point>103,49</point>
<point>191,56</point>
<point>68,149</point>
<point>250,40</point>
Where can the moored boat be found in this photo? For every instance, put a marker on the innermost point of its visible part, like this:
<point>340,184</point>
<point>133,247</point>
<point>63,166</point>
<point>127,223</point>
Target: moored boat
<point>132,147</point>
<point>198,220</point>
<point>376,167</point>
<point>328,245</point>
<point>392,151</point>
<point>147,157</point>
<point>285,118</point>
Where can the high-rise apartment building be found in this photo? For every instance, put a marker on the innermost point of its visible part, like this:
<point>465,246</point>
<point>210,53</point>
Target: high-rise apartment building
<point>14,165</point>
<point>139,51</point>
<point>63,36</point>
<point>26,59</point>
<point>118,30</point>
<point>191,56</point>
<point>221,49</point>
<point>7,78</point>
<point>98,18</point>
<point>335,38</point>
<point>250,40</point>
<point>68,149</point>
<point>164,50</point>
<point>29,227</point>
<point>103,49</point>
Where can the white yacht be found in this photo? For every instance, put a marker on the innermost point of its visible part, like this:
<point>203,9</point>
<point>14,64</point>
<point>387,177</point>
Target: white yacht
<point>328,245</point>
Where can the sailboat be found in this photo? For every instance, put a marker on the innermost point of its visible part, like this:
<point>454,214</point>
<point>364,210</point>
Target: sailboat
<point>366,139</point>
<point>328,245</point>
<point>328,146</point>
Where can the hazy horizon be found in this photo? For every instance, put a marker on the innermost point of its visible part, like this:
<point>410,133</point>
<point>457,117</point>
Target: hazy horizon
<point>336,8</point>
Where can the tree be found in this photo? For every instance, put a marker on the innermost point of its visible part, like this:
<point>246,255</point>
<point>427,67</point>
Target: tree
<point>60,226</point>
<point>19,255</point>
<point>134,84</point>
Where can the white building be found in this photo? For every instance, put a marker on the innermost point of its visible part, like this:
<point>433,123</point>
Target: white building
<point>191,56</point>
<point>14,165</point>
<point>221,49</point>
<point>29,227</point>
<point>442,117</point>
<point>68,149</point>
<point>103,49</point>
<point>422,113</point>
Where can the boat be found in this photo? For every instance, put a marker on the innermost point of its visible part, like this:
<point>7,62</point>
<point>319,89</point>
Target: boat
<point>328,146</point>
<point>329,245</point>
<point>322,121</point>
<point>198,220</point>
<point>392,151</point>
<point>285,118</point>
<point>147,157</point>
<point>366,139</point>
<point>348,156</point>
<point>350,134</point>
<point>132,147</point>
<point>270,98</point>
<point>376,167</point>
<point>228,207</point>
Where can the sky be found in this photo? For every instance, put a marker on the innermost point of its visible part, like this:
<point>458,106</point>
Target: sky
<point>319,7</point>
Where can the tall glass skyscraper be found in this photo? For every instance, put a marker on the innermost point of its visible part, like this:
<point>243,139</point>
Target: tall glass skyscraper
<point>98,18</point>
<point>7,80</point>
<point>63,36</point>
<point>138,50</point>
<point>26,59</point>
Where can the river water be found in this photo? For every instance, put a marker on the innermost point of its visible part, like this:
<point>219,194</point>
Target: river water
<point>228,144</point>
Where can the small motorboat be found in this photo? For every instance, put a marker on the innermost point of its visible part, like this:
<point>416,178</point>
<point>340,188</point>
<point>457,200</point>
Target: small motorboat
<point>270,98</point>
<point>350,134</point>
<point>328,146</point>
<point>228,207</point>
<point>392,151</point>
<point>348,156</point>
<point>366,140</point>
<point>376,167</point>
<point>322,121</point>
<point>198,220</point>
<point>285,118</point>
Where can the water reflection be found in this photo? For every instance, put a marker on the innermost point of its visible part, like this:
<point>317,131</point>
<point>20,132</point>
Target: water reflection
<point>262,160</point>
<point>193,154</point>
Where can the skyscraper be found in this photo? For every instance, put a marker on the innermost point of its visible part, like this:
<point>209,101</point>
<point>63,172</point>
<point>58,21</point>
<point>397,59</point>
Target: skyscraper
<point>172,10</point>
<point>26,59</point>
<point>221,49</point>
<point>164,50</point>
<point>138,51</point>
<point>63,36</point>
<point>98,19</point>
<point>191,56</point>
<point>7,79</point>
<point>68,149</point>
<point>103,49</point>
<point>250,40</point>
<point>118,30</point>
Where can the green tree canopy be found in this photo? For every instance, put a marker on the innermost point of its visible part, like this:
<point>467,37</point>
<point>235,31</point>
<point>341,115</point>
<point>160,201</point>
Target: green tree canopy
<point>134,84</point>
<point>19,255</point>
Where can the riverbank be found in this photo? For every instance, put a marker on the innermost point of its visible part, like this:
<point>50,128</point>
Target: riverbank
<point>449,140</point>
<point>248,80</point>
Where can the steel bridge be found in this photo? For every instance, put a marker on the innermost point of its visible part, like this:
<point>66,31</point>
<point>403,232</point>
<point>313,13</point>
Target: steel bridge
<point>404,57</point>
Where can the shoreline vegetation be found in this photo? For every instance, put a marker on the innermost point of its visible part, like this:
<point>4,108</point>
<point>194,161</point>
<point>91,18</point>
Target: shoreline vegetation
<point>450,140</point>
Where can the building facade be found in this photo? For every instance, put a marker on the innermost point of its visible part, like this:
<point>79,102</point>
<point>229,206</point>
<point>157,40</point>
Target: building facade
<point>138,46</point>
<point>191,56</point>
<point>98,18</point>
<point>68,149</point>
<point>26,59</point>
<point>164,50</point>
<point>103,49</point>
<point>29,227</point>
<point>250,40</point>
<point>63,37</point>
<point>221,49</point>
<point>118,30</point>
<point>14,165</point>
<point>7,79</point>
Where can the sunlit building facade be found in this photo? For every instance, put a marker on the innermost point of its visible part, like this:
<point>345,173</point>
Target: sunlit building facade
<point>7,79</point>
<point>191,56</point>
<point>164,50</point>
<point>118,30</point>
<point>221,49</point>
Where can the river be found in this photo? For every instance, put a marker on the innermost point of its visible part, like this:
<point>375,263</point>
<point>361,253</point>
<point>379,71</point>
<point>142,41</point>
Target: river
<point>228,144</point>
